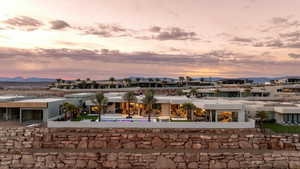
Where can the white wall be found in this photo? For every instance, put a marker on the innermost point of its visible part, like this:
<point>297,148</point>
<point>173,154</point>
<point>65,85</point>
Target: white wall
<point>84,124</point>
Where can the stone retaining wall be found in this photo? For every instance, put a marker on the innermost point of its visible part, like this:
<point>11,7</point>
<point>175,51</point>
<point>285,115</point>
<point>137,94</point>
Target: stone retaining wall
<point>20,138</point>
<point>146,148</point>
<point>170,160</point>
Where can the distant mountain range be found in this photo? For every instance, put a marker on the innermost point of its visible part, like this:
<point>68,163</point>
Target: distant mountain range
<point>37,79</point>
<point>21,79</point>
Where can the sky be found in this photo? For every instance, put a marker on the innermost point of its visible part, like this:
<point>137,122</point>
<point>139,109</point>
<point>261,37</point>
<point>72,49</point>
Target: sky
<point>99,39</point>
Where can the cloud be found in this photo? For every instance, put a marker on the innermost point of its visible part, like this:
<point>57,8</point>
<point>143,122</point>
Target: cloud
<point>155,29</point>
<point>116,62</point>
<point>175,33</point>
<point>241,39</point>
<point>171,33</point>
<point>294,55</point>
<point>279,20</point>
<point>105,30</point>
<point>59,24</point>
<point>23,22</point>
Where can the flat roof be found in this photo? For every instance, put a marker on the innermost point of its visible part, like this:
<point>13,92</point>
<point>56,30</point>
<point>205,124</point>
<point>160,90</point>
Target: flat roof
<point>7,97</point>
<point>42,100</point>
<point>76,95</point>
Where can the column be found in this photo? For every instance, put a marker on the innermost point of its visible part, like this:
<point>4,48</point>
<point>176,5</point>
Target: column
<point>20,115</point>
<point>6,114</point>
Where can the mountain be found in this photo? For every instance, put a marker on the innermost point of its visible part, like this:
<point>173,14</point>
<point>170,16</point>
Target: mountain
<point>30,79</point>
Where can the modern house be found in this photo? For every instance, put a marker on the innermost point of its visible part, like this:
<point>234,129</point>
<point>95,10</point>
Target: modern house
<point>30,110</point>
<point>172,107</point>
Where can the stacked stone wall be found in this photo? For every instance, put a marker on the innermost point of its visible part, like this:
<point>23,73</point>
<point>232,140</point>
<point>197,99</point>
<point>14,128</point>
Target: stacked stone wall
<point>146,148</point>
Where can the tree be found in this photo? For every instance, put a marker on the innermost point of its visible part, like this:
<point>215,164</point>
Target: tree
<point>179,92</point>
<point>129,97</point>
<point>101,103</point>
<point>83,84</point>
<point>217,93</point>
<point>181,79</point>
<point>70,108</point>
<point>193,92</point>
<point>128,82</point>
<point>148,101</point>
<point>247,92</point>
<point>261,116</point>
<point>188,79</point>
<point>112,80</point>
<point>189,108</point>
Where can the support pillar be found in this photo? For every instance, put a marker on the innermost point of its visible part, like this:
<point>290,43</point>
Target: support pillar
<point>20,115</point>
<point>6,114</point>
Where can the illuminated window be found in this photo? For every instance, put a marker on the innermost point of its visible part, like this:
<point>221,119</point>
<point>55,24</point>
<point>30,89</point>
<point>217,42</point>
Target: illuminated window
<point>227,116</point>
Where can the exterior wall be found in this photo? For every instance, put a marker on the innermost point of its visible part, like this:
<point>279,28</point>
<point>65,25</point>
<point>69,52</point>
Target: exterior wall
<point>196,125</point>
<point>165,109</point>
<point>278,118</point>
<point>54,109</point>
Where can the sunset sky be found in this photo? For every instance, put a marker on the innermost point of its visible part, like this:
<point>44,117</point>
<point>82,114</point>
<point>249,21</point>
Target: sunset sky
<point>153,38</point>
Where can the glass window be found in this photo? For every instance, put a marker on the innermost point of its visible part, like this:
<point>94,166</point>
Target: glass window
<point>227,116</point>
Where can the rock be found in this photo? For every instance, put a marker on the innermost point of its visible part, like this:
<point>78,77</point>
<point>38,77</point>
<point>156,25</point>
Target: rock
<point>110,164</point>
<point>164,163</point>
<point>83,144</point>
<point>281,164</point>
<point>197,146</point>
<point>112,157</point>
<point>129,145</point>
<point>80,164</point>
<point>193,165</point>
<point>233,164</point>
<point>100,144</point>
<point>245,145</point>
<point>124,165</point>
<point>217,165</point>
<point>178,159</point>
<point>294,164</point>
<point>92,164</point>
<point>157,143</point>
<point>27,159</point>
<point>213,145</point>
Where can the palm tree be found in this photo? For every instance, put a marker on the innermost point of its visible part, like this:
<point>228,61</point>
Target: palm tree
<point>70,108</point>
<point>101,102</point>
<point>128,82</point>
<point>262,116</point>
<point>193,92</point>
<point>129,97</point>
<point>112,79</point>
<point>82,84</point>
<point>217,93</point>
<point>95,85</point>
<point>148,101</point>
<point>188,79</point>
<point>181,79</point>
<point>189,108</point>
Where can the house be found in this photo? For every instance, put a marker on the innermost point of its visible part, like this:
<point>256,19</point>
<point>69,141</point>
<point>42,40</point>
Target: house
<point>214,110</point>
<point>31,110</point>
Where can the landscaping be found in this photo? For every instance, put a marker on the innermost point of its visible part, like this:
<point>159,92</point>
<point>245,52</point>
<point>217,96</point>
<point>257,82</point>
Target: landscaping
<point>281,128</point>
<point>85,117</point>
